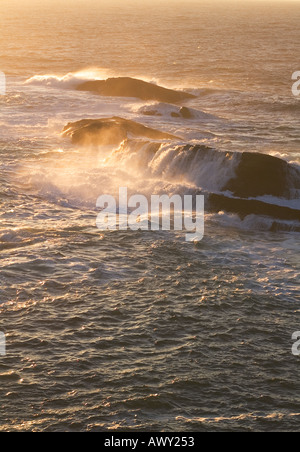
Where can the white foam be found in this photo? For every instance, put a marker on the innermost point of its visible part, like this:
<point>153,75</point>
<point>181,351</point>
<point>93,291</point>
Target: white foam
<point>208,169</point>
<point>70,80</point>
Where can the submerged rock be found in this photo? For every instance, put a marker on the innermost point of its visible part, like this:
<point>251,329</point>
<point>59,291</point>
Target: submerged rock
<point>110,131</point>
<point>130,87</point>
<point>186,113</point>
<point>175,111</point>
<point>244,207</point>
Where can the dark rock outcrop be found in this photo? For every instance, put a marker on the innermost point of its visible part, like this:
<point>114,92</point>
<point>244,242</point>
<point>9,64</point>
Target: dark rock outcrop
<point>110,131</point>
<point>261,174</point>
<point>130,87</point>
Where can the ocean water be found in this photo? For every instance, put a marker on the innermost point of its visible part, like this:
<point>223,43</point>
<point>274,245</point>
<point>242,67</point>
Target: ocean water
<point>142,331</point>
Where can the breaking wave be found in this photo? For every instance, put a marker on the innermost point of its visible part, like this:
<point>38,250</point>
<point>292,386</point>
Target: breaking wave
<point>68,81</point>
<point>240,183</point>
<point>247,189</point>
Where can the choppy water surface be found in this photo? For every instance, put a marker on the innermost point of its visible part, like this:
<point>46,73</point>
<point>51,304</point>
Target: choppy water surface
<point>142,330</point>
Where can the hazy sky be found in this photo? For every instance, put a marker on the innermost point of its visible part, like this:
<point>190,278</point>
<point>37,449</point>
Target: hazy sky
<point>41,2</point>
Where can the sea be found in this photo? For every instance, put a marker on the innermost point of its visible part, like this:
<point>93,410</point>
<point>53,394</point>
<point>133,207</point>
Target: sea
<point>142,331</point>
